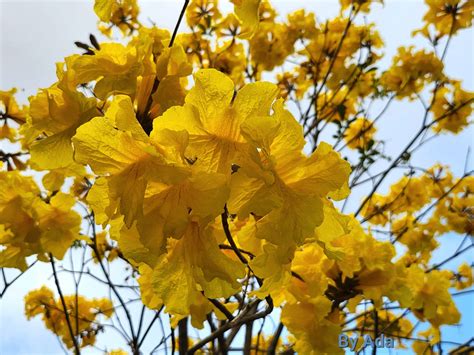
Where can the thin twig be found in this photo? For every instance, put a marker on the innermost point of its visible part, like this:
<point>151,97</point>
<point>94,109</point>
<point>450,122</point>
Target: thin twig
<point>63,302</point>
<point>176,27</point>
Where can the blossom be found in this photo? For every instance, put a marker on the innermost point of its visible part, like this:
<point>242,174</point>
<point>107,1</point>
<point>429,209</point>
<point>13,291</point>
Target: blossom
<point>449,16</point>
<point>452,107</point>
<point>120,13</point>
<point>82,312</point>
<point>411,71</point>
<point>359,133</point>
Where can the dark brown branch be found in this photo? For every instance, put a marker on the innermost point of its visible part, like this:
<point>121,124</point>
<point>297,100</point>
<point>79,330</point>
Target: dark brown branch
<point>140,323</point>
<point>248,338</point>
<point>183,336</point>
<point>225,225</point>
<point>7,284</point>
<point>274,343</point>
<point>173,341</point>
<point>134,342</point>
<point>228,247</point>
<point>331,64</point>
<point>63,302</point>
<point>376,329</point>
<point>176,27</point>
<point>465,348</point>
<point>422,129</point>
<point>455,255</point>
<point>223,346</point>
<point>237,321</point>
<point>157,315</point>
<point>221,308</point>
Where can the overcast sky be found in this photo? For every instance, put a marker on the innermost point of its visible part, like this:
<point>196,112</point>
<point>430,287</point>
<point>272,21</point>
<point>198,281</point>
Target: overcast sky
<point>36,34</point>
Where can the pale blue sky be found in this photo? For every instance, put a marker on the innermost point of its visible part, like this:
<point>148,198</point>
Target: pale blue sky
<point>36,34</point>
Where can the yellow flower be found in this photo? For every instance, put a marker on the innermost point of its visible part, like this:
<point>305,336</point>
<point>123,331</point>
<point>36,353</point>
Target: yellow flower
<point>247,12</point>
<point>229,26</point>
<point>230,59</point>
<point>29,225</point>
<point>448,314</point>
<point>377,210</point>
<point>117,352</point>
<point>212,117</point>
<point>417,236</point>
<point>120,13</point>
<point>431,294</point>
<point>147,294</point>
<point>59,223</point>
<point>172,69</point>
<point>55,114</point>
<point>361,83</point>
<point>305,320</point>
<point>452,108</point>
<point>455,211</point>
<point>167,210</point>
<point>191,264</point>
<point>19,234</point>
<point>411,71</point>
<point>151,39</point>
<point>104,247</point>
<point>117,148</point>
<point>336,105</point>
<point>358,5</point>
<point>449,16</point>
<point>293,82</point>
<point>202,13</point>
<point>114,67</point>
<point>282,178</point>
<point>82,312</point>
<point>362,263</point>
<point>409,194</point>
<point>7,132</point>
<point>283,186</point>
<point>359,133</point>
<point>9,107</point>
<point>427,347</point>
<point>463,278</point>
<point>302,24</point>
<point>324,50</point>
<point>270,45</point>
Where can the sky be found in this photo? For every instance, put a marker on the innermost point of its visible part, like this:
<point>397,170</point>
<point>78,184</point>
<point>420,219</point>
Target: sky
<point>36,34</point>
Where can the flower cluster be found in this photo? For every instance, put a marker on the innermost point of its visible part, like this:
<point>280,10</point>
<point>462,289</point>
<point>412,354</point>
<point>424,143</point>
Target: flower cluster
<point>83,312</point>
<point>32,225</point>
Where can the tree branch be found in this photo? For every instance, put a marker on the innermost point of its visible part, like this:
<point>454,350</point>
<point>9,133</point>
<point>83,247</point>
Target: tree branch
<point>77,351</point>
